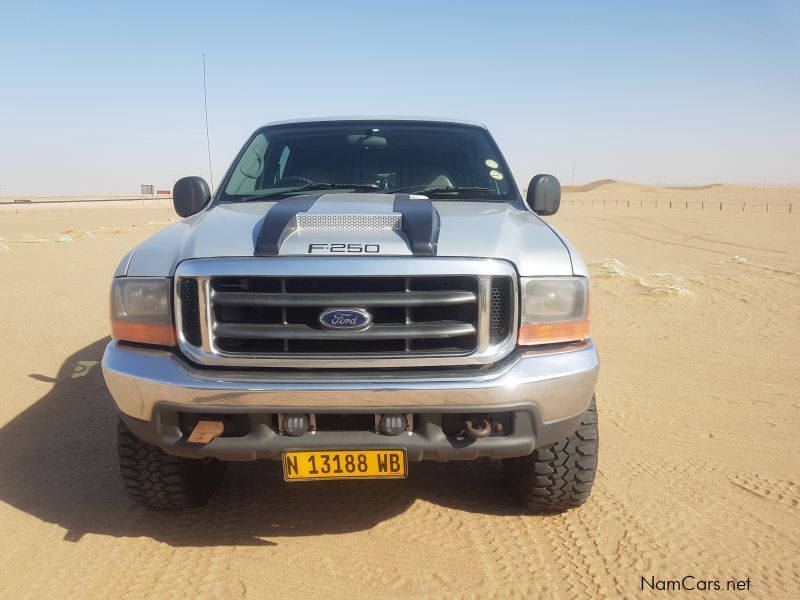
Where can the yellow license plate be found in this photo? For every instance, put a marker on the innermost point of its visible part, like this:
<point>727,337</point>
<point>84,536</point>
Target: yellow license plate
<point>344,464</point>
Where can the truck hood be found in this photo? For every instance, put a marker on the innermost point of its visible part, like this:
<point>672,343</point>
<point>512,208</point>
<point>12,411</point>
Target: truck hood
<point>466,229</point>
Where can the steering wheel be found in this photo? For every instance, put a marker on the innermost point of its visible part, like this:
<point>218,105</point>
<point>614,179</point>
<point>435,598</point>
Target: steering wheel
<point>292,179</point>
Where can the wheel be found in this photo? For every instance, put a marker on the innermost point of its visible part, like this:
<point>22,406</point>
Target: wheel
<point>158,480</point>
<point>559,476</point>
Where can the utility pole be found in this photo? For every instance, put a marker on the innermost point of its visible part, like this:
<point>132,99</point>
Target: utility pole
<point>573,173</point>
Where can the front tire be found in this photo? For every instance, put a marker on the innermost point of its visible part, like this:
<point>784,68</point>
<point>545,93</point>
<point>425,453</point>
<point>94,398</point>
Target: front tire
<point>155,479</point>
<point>559,476</point>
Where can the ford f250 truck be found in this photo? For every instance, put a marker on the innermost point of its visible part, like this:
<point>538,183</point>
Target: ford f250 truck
<point>358,294</point>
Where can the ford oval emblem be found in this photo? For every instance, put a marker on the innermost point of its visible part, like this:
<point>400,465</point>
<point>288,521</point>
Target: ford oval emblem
<point>345,318</point>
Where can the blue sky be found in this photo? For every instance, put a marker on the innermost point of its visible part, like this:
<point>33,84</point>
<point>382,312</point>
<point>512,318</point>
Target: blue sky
<point>99,97</point>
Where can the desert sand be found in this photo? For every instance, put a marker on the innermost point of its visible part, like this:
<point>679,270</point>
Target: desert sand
<point>696,318</point>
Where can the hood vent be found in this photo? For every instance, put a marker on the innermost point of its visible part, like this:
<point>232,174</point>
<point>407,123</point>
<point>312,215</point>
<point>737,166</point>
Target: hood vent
<point>306,220</point>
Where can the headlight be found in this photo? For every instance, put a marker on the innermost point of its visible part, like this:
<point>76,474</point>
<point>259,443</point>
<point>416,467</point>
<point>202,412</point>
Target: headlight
<point>140,310</point>
<point>554,310</point>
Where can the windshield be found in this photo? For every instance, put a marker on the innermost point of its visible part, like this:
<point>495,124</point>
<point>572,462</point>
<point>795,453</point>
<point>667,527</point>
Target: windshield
<point>436,159</point>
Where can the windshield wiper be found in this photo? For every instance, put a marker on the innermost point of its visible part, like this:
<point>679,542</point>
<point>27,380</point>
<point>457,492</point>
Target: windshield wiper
<point>424,189</point>
<point>313,186</point>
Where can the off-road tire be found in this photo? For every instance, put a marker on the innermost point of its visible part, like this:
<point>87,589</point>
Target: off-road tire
<point>158,480</point>
<point>557,477</point>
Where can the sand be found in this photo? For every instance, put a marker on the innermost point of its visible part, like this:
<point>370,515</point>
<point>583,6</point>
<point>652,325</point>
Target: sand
<point>696,317</point>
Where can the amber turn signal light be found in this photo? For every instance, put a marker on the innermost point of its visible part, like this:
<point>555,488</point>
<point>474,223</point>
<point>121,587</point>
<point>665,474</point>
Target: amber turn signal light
<point>554,333</point>
<point>143,333</point>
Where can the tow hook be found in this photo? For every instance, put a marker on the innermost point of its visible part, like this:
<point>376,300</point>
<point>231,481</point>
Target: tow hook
<point>481,431</point>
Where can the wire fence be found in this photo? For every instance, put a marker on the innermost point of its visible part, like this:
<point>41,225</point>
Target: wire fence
<point>97,207</point>
<point>777,207</point>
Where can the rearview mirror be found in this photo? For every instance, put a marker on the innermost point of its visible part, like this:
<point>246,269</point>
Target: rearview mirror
<point>190,195</point>
<point>367,140</point>
<point>544,195</point>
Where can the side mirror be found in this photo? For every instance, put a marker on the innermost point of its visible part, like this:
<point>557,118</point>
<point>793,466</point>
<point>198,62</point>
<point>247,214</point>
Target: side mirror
<point>190,195</point>
<point>544,195</point>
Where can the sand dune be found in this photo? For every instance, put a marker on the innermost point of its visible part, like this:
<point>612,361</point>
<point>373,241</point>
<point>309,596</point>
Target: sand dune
<point>608,185</point>
<point>616,186</point>
<point>695,314</point>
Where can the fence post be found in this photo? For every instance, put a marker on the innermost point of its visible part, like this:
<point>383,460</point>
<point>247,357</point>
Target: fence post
<point>687,205</point>
<point>702,206</point>
<point>767,206</point>
<point>790,208</point>
<point>629,205</point>
<point>670,203</point>
<point>720,205</point>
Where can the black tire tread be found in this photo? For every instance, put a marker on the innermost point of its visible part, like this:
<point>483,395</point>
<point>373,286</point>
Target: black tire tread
<point>155,479</point>
<point>560,476</point>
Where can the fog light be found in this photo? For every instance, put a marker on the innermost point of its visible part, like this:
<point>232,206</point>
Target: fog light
<point>295,425</point>
<point>393,424</point>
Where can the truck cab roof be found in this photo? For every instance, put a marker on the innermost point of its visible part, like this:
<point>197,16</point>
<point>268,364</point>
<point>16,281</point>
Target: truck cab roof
<point>384,118</point>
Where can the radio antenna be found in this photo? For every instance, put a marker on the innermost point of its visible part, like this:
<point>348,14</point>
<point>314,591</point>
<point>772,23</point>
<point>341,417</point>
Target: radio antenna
<point>208,138</point>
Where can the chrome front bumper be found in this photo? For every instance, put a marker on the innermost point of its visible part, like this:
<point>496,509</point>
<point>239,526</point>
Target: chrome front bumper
<point>553,386</point>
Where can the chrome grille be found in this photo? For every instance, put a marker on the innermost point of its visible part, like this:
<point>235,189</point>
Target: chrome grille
<point>253,312</point>
<point>276,315</point>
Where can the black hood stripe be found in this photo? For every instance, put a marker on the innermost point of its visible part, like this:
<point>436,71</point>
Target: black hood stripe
<point>275,224</point>
<point>420,223</point>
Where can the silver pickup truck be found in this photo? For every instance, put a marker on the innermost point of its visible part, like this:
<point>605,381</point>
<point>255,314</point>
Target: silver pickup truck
<point>357,295</point>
